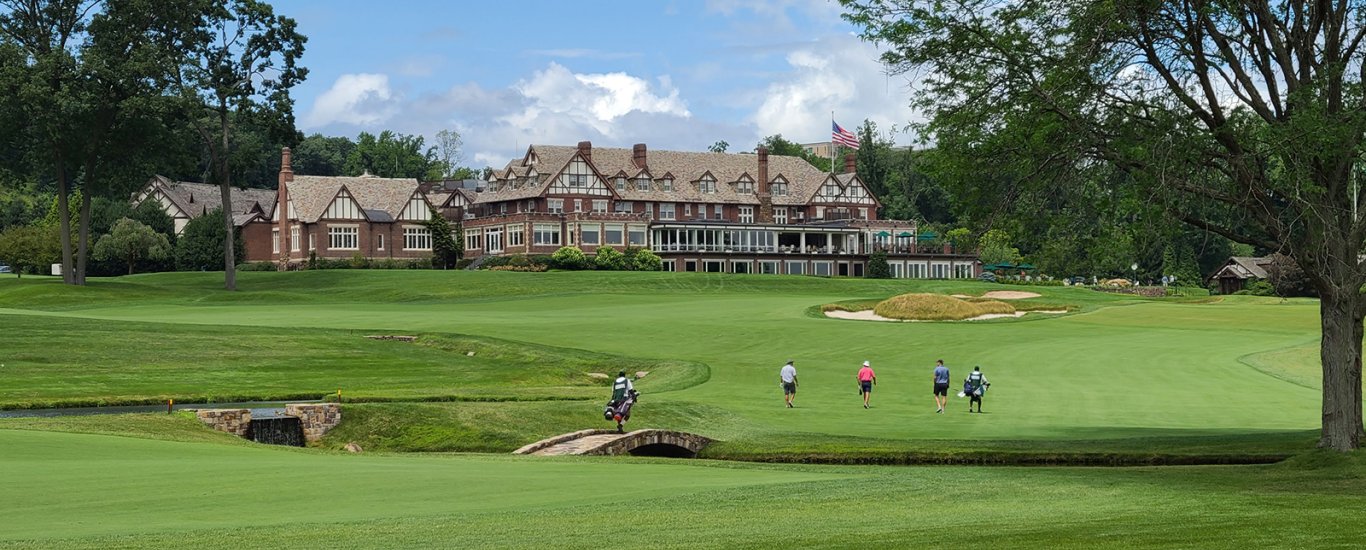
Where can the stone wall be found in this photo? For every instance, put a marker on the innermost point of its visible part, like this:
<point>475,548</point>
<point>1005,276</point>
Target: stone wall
<point>233,421</point>
<point>316,419</point>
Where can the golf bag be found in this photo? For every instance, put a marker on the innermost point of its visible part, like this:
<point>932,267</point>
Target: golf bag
<point>621,408</point>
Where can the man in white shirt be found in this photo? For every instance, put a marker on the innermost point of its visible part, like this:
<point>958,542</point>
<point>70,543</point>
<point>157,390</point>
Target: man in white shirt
<point>788,376</point>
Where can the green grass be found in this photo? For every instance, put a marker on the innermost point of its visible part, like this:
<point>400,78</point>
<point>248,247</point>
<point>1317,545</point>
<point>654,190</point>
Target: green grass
<point>205,495</point>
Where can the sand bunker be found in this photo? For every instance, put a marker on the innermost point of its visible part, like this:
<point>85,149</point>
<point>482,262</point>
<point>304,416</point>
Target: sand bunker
<point>1009,295</point>
<point>868,315</point>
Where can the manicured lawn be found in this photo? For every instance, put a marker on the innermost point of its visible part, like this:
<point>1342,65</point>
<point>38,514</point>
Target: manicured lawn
<point>92,491</point>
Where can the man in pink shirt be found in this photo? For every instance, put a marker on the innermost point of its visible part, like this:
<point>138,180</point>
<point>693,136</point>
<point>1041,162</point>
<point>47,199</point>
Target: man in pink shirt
<point>866,381</point>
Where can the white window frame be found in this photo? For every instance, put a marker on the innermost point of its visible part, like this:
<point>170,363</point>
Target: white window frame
<point>472,239</point>
<point>620,230</point>
<point>667,185</point>
<point>642,184</point>
<point>493,239</point>
<point>666,211</point>
<point>706,185</point>
<point>590,228</point>
<point>768,267</point>
<point>379,241</point>
<point>746,214</point>
<point>780,214</point>
<point>600,206</point>
<point>554,206</point>
<point>294,239</point>
<point>516,235</point>
<point>275,241</point>
<point>415,236</point>
<point>799,264</point>
<point>718,212</point>
<point>346,234</point>
<point>827,267</point>
<point>632,231</point>
<point>545,234</point>
<point>623,207</point>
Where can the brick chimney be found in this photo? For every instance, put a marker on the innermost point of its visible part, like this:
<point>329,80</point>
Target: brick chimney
<point>282,207</point>
<point>765,193</point>
<point>586,150</point>
<point>638,155</point>
<point>850,163</point>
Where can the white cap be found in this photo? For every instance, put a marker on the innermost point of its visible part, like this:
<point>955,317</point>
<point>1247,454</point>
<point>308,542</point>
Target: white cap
<point>865,363</point>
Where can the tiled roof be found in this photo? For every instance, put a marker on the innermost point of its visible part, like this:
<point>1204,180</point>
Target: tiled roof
<point>313,194</point>
<point>196,199</point>
<point>685,167</point>
<point>1246,267</point>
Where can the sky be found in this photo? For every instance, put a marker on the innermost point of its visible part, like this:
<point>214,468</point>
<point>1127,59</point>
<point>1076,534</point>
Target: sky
<point>674,74</point>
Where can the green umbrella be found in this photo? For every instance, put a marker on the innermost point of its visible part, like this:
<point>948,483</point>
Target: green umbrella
<point>1026,266</point>
<point>883,234</point>
<point>928,235</point>
<point>905,235</point>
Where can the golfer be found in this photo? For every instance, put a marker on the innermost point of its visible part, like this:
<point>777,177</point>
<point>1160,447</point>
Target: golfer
<point>623,398</point>
<point>941,386</point>
<point>978,384</point>
<point>866,380</point>
<point>788,376</point>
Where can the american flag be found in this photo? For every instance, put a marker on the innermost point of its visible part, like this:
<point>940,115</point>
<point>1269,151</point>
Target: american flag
<point>843,137</point>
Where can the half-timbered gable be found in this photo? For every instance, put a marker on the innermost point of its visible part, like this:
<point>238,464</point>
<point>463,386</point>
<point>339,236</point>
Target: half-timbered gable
<point>579,178</point>
<point>344,207</point>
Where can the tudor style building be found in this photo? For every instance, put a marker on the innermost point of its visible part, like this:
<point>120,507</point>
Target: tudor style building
<point>184,201</point>
<point>714,212</point>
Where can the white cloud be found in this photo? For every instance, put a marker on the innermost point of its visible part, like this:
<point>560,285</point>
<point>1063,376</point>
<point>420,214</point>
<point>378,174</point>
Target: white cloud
<point>356,99</point>
<point>840,74</point>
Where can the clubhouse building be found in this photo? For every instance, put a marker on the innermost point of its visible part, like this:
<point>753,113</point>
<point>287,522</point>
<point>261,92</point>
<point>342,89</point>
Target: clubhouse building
<point>709,212</point>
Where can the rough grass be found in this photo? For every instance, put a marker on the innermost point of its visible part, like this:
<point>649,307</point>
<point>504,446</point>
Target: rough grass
<point>938,307</point>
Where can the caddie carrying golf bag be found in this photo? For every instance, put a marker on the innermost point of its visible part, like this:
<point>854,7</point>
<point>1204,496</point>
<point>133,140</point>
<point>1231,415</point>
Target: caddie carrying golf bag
<point>620,411</point>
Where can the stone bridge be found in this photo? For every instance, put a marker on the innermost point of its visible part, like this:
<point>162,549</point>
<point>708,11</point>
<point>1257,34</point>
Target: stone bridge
<point>664,443</point>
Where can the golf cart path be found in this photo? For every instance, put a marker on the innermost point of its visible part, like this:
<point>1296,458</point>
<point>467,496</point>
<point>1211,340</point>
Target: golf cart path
<point>606,442</point>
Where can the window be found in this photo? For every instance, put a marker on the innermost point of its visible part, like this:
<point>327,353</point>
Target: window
<point>863,213</point>
<point>831,190</point>
<point>687,209</point>
<point>716,211</point>
<point>820,212</point>
<point>590,234</point>
<point>545,234</point>
<point>493,239</point>
<point>379,241</point>
<point>420,238</point>
<point>796,268</point>
<point>666,211</point>
<point>502,208</point>
<point>311,245</point>
<point>939,271</point>
<point>746,214</point>
<point>576,175</point>
<point>666,184</point>
<point>706,185</point>
<point>820,269</point>
<point>294,239</point>
<point>600,206</point>
<point>915,270</point>
<point>713,266</point>
<point>744,186</point>
<point>623,207</point>
<point>780,214</point>
<point>668,265</point>
<point>471,240</point>
<point>768,268</point>
<point>739,266</point>
<point>642,184</point>
<point>635,235</point>
<point>516,235</point>
<point>613,232</point>
<point>569,231</point>
<point>779,189</point>
<point>346,237</point>
<point>578,205</point>
<point>555,206</point>
<point>962,271</point>
<point>621,183</point>
<point>275,240</point>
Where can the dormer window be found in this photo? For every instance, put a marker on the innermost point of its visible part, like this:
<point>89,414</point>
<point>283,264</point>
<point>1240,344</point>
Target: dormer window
<point>666,184</point>
<point>744,186</point>
<point>642,184</point>
<point>779,189</point>
<point>706,185</point>
<point>620,183</point>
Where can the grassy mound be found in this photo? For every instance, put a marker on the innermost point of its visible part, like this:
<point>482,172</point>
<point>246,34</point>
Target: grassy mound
<point>937,307</point>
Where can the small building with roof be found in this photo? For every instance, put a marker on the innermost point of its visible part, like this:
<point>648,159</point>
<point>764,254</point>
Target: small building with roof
<point>1238,270</point>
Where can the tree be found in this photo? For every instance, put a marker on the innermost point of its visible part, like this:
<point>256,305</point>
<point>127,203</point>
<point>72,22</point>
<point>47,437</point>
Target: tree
<point>777,145</point>
<point>200,246</point>
<point>996,248</point>
<point>241,59</point>
<point>874,158</point>
<point>448,152</point>
<point>30,248</point>
<point>878,268</point>
<point>1242,119</point>
<point>319,155</point>
<point>131,241</point>
<point>447,249</point>
<point>392,155</point>
<point>719,147</point>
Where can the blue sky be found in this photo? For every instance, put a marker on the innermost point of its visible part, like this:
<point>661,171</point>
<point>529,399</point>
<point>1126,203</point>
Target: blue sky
<point>677,74</point>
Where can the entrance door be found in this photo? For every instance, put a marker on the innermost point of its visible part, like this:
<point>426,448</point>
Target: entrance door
<point>844,269</point>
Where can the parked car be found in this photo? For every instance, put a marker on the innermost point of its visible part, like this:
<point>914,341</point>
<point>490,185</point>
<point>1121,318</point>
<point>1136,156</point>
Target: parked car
<point>987,277</point>
<point>5,269</point>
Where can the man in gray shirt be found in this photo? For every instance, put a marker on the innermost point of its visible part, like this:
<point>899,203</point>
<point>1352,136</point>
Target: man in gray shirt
<point>788,376</point>
<point>941,385</point>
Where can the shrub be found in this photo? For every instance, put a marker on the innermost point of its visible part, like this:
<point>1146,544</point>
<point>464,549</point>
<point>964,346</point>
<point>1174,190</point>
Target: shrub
<point>569,257</point>
<point>532,268</point>
<point>258,266</point>
<point>200,245</point>
<point>878,268</point>
<point>358,261</point>
<point>1258,287</point>
<point>609,259</point>
<point>937,307</point>
<point>646,260</point>
<point>1288,279</point>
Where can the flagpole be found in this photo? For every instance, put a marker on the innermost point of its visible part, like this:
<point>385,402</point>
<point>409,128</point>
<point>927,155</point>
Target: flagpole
<point>832,142</point>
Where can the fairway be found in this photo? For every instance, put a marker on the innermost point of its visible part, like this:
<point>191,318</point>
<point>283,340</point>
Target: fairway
<point>1119,380</point>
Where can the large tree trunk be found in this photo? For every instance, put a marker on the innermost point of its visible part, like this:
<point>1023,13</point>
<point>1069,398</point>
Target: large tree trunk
<point>83,242</point>
<point>229,261</point>
<point>64,214</point>
<point>1340,352</point>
